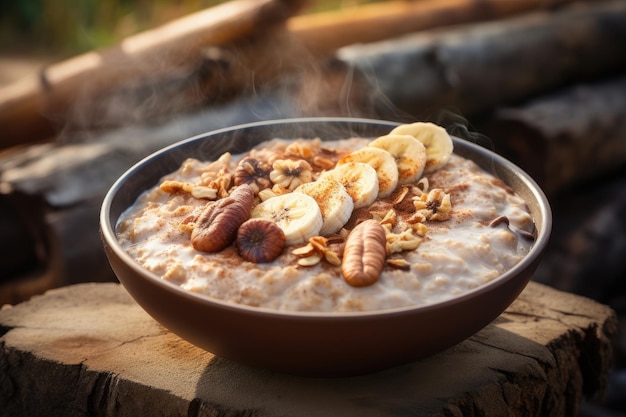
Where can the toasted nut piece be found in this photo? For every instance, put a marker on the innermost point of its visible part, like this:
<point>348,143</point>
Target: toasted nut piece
<point>400,195</point>
<point>302,149</point>
<point>260,240</point>
<point>266,194</point>
<point>306,250</point>
<point>217,225</point>
<point>435,205</point>
<point>254,172</point>
<point>332,257</point>
<point>290,174</point>
<point>310,260</point>
<point>197,191</point>
<point>323,163</point>
<point>364,254</point>
<point>399,263</point>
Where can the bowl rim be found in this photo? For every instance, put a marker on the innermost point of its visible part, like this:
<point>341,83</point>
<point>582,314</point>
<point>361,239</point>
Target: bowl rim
<point>108,235</point>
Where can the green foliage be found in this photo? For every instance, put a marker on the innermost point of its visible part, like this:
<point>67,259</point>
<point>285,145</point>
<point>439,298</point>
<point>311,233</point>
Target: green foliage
<point>68,27</point>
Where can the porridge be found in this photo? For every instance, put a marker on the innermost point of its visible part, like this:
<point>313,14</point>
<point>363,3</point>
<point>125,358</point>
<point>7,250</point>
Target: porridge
<point>331,226</point>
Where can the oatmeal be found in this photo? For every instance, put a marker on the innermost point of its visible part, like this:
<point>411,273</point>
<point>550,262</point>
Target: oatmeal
<point>347,225</point>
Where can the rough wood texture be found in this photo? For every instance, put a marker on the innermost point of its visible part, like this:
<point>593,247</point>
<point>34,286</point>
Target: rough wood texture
<point>476,68</point>
<point>229,50</point>
<point>90,350</point>
<point>573,136</point>
<point>322,33</point>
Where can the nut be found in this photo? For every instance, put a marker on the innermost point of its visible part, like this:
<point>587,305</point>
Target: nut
<point>216,227</point>
<point>310,260</point>
<point>316,250</point>
<point>399,263</point>
<point>404,241</point>
<point>364,254</point>
<point>196,191</point>
<point>260,240</point>
<point>290,174</point>
<point>253,172</point>
<point>435,205</point>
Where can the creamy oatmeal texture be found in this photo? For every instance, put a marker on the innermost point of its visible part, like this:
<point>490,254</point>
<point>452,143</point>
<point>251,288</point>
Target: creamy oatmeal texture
<point>449,228</point>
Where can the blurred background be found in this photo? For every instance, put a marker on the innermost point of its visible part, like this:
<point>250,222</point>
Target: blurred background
<point>34,33</point>
<point>88,87</point>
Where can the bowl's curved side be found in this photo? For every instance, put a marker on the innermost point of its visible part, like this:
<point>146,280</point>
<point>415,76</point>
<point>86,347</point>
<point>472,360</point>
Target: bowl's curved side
<point>331,345</point>
<point>318,345</point>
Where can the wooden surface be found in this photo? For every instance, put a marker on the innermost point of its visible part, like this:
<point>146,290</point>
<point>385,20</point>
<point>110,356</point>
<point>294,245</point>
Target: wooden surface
<point>88,349</point>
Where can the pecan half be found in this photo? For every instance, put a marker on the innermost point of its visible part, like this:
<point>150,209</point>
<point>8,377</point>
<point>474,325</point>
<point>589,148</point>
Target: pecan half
<point>216,227</point>
<point>364,254</point>
<point>260,240</point>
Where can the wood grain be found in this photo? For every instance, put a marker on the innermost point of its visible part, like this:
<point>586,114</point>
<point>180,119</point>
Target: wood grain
<point>89,349</point>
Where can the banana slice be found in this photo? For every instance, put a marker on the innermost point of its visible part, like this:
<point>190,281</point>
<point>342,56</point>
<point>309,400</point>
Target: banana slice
<point>333,200</point>
<point>297,214</point>
<point>360,181</point>
<point>384,164</point>
<point>409,153</point>
<point>435,138</point>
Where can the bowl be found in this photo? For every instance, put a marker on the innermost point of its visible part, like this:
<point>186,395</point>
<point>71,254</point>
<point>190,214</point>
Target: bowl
<point>310,343</point>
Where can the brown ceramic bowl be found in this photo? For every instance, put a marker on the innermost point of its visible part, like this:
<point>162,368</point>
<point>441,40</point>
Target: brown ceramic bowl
<point>320,344</point>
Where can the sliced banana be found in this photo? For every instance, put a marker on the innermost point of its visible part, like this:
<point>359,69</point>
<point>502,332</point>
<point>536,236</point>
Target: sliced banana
<point>384,164</point>
<point>435,138</point>
<point>297,214</point>
<point>409,153</point>
<point>334,202</point>
<point>360,181</point>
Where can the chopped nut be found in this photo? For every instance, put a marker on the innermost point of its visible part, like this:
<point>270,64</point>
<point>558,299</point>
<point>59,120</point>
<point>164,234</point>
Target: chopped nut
<point>266,194</point>
<point>279,190</point>
<point>420,229</point>
<point>318,242</point>
<point>318,247</point>
<point>253,172</point>
<point>435,205</point>
<point>301,150</point>
<point>290,174</point>
<point>323,163</point>
<point>197,191</point>
<point>399,242</point>
<point>332,258</point>
<point>400,196</point>
<point>399,263</point>
<point>201,191</point>
<point>306,250</point>
<point>391,218</point>
<point>310,260</point>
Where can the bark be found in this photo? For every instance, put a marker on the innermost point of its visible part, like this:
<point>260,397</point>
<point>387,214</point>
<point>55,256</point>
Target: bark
<point>571,137</point>
<point>90,350</point>
<point>476,68</point>
<point>211,57</point>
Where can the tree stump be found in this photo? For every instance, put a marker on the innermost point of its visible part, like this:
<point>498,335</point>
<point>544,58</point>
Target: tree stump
<point>89,349</point>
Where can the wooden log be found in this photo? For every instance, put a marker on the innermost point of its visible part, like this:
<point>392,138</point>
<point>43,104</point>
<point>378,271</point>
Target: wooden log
<point>571,137</point>
<point>35,107</point>
<point>323,33</point>
<point>475,68</point>
<point>90,350</point>
<point>188,62</point>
